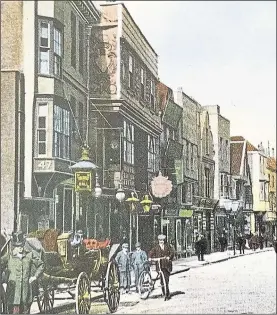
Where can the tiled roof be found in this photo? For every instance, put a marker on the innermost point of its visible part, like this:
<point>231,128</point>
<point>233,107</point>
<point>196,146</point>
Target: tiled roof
<point>235,157</point>
<point>250,147</point>
<point>271,163</point>
<point>237,138</point>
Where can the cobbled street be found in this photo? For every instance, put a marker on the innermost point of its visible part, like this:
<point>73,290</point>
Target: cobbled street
<point>245,285</point>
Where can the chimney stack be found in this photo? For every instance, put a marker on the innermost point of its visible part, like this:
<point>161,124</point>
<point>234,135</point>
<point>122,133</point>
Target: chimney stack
<point>273,153</point>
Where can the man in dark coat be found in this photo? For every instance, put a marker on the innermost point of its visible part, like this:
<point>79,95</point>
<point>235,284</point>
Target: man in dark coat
<point>203,244</point>
<point>241,242</point>
<point>23,268</point>
<point>124,265</point>
<point>198,246</point>
<point>223,242</point>
<point>159,251</point>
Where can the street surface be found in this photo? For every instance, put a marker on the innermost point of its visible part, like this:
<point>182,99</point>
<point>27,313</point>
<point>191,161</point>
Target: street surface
<point>244,285</point>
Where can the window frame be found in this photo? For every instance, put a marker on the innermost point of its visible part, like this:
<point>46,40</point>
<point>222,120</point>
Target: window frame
<point>61,135</point>
<point>151,149</point>
<point>131,72</point>
<point>39,129</point>
<point>142,83</point>
<point>128,142</point>
<point>49,54</point>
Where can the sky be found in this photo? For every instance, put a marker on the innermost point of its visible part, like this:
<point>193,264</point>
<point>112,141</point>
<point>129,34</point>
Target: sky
<point>219,52</point>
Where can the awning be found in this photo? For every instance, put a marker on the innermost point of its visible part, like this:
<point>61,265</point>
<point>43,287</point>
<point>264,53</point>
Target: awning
<point>185,213</point>
<point>177,212</point>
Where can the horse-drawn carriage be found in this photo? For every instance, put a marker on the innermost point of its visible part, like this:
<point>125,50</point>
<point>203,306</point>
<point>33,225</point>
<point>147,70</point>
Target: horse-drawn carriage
<point>76,266</point>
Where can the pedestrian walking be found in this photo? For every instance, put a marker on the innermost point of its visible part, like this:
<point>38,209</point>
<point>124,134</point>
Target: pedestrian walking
<point>255,241</point>
<point>163,250</point>
<point>197,246</point>
<point>139,257</point>
<point>223,242</point>
<point>23,269</point>
<point>124,265</point>
<point>203,244</point>
<point>241,242</point>
<point>261,241</point>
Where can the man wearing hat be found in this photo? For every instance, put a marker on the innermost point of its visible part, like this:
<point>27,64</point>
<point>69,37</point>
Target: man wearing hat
<point>163,250</point>
<point>23,268</point>
<point>124,265</point>
<point>138,258</point>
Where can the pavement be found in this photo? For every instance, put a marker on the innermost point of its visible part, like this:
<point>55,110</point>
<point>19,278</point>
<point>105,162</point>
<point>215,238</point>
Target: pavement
<point>63,300</point>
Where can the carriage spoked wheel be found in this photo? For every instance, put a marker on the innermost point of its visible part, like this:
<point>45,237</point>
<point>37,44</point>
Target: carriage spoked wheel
<point>82,296</point>
<point>111,291</point>
<point>145,285</point>
<point>45,299</point>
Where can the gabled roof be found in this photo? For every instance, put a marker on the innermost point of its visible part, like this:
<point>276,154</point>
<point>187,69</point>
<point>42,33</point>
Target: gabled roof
<point>249,146</point>
<point>236,152</point>
<point>271,163</point>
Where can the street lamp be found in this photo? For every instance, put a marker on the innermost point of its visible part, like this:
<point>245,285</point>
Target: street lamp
<point>231,207</point>
<point>146,203</point>
<point>132,200</point>
<point>83,179</point>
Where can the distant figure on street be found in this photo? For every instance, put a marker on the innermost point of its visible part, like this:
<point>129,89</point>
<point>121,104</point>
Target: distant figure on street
<point>275,243</point>
<point>255,241</point>
<point>139,257</point>
<point>124,265</point>
<point>159,251</point>
<point>223,242</point>
<point>261,241</point>
<point>197,246</point>
<point>241,242</point>
<point>23,269</point>
<point>203,246</point>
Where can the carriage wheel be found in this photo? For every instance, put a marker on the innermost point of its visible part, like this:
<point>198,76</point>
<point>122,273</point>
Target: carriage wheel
<point>145,285</point>
<point>4,308</point>
<point>45,300</point>
<point>82,295</point>
<point>111,291</point>
<point>164,285</point>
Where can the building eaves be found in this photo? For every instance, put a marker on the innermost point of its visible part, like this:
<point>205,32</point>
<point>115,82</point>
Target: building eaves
<point>142,35</point>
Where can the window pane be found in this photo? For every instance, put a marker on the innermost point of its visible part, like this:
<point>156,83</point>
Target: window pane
<point>57,42</point>
<point>42,122</point>
<point>42,110</point>
<point>130,64</point>
<point>44,61</point>
<point>42,148</point>
<point>42,135</point>
<point>44,34</point>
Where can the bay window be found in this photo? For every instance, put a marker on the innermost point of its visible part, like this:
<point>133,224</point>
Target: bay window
<point>50,49</point>
<point>61,132</point>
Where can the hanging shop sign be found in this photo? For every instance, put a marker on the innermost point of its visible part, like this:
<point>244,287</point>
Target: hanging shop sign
<point>161,186</point>
<point>83,181</point>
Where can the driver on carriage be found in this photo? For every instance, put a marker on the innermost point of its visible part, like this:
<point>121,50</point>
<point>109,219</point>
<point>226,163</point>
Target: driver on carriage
<point>23,268</point>
<point>163,250</point>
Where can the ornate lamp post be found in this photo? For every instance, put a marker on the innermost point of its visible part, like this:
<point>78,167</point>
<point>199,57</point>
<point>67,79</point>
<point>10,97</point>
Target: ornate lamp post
<point>83,174</point>
<point>132,200</point>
